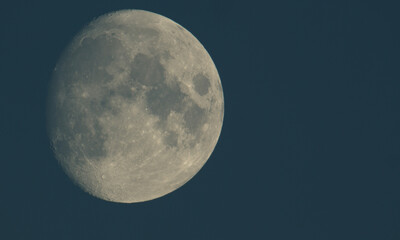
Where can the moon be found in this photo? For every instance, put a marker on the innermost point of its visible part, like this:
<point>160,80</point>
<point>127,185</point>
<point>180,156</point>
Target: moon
<point>135,107</point>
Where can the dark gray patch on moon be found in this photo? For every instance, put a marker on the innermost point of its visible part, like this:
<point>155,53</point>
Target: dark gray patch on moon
<point>201,84</point>
<point>91,58</point>
<point>125,92</point>
<point>147,70</point>
<point>106,104</point>
<point>162,99</point>
<point>171,139</point>
<point>194,118</point>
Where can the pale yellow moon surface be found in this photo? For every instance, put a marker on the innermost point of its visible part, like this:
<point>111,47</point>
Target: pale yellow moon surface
<point>135,107</point>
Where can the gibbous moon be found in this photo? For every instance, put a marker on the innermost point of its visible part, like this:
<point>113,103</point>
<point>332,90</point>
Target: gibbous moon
<point>135,107</point>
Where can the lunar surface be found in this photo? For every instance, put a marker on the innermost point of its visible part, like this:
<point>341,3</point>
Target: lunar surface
<point>135,107</point>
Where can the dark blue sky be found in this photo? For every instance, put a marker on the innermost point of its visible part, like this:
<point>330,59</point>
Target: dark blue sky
<point>310,146</point>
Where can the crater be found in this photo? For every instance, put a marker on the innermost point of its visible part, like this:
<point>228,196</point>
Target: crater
<point>201,84</point>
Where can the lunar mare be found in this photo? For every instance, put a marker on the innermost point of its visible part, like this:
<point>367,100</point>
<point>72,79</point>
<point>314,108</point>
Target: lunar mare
<point>135,107</point>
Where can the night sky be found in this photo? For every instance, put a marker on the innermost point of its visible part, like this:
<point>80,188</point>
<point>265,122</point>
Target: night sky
<point>310,145</point>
